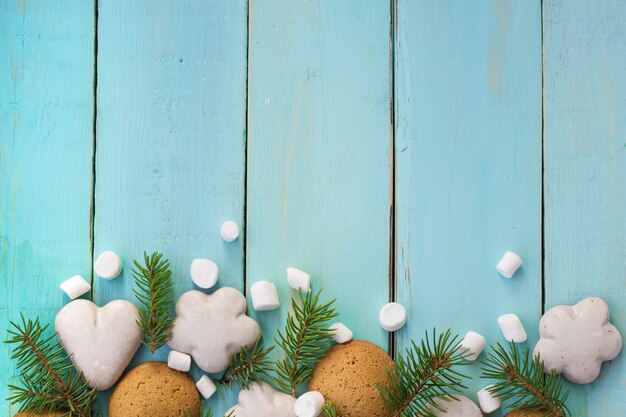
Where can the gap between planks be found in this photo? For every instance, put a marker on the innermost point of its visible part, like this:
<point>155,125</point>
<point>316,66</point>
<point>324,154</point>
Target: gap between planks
<point>92,208</point>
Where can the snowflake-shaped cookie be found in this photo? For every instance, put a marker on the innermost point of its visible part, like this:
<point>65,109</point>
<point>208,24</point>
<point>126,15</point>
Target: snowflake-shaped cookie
<point>213,327</point>
<point>575,340</point>
<point>261,400</point>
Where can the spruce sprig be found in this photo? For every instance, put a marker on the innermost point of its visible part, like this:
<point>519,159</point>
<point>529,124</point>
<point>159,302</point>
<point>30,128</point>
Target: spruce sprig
<point>154,292</point>
<point>521,379</point>
<point>304,341</point>
<point>248,366</point>
<point>424,373</point>
<point>49,381</point>
<point>329,410</point>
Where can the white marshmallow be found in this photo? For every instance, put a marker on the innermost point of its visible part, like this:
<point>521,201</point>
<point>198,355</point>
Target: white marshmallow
<point>75,287</point>
<point>204,273</point>
<point>392,316</point>
<point>341,333</point>
<point>509,263</point>
<point>108,265</point>
<point>512,328</point>
<point>472,345</point>
<point>179,361</point>
<point>264,296</point>
<point>299,280</point>
<point>309,404</point>
<point>488,401</point>
<point>206,387</point>
<point>229,231</point>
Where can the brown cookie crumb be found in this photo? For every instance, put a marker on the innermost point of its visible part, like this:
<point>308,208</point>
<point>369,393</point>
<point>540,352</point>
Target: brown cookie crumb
<point>153,389</point>
<point>347,376</point>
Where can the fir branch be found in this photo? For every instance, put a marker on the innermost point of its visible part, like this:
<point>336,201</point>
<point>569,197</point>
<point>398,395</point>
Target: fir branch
<point>423,374</point>
<point>522,380</point>
<point>304,341</point>
<point>329,410</point>
<point>154,292</point>
<point>49,381</point>
<point>248,366</point>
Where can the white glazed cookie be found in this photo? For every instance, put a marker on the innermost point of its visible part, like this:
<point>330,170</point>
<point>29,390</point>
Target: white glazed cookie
<point>261,400</point>
<point>575,340</point>
<point>459,407</point>
<point>100,341</point>
<point>213,327</point>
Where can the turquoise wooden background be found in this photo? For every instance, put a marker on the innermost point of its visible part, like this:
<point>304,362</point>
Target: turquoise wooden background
<point>394,150</point>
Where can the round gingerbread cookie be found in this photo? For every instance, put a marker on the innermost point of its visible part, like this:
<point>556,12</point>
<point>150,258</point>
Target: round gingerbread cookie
<point>347,377</point>
<point>153,389</point>
<point>50,414</point>
<point>525,413</point>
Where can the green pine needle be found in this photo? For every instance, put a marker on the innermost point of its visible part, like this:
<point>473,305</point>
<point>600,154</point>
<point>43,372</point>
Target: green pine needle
<point>304,341</point>
<point>48,380</point>
<point>423,374</point>
<point>522,381</point>
<point>329,410</point>
<point>155,291</point>
<point>248,366</point>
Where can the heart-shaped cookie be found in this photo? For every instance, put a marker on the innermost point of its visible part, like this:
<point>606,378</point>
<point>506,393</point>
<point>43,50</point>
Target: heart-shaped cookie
<point>100,341</point>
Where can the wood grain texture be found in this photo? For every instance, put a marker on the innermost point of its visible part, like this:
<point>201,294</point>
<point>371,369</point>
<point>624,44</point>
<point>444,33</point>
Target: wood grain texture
<point>585,173</point>
<point>468,181</point>
<point>46,83</point>
<point>170,149</point>
<point>319,155</point>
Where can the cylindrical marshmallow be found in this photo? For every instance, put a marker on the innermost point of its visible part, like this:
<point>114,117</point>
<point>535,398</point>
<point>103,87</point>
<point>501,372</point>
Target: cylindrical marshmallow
<point>264,296</point>
<point>488,401</point>
<point>179,361</point>
<point>392,316</point>
<point>472,345</point>
<point>108,265</point>
<point>229,231</point>
<point>309,404</point>
<point>509,263</point>
<point>298,280</point>
<point>206,387</point>
<point>204,273</point>
<point>341,333</point>
<point>512,328</point>
<point>75,287</point>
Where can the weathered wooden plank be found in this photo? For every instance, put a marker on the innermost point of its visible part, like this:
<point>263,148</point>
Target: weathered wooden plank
<point>468,149</point>
<point>319,155</point>
<point>585,172</point>
<point>170,138</point>
<point>46,93</point>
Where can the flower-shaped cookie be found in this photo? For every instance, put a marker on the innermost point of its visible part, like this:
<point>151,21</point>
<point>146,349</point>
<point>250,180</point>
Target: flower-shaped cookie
<point>261,400</point>
<point>575,340</point>
<point>459,406</point>
<point>213,327</point>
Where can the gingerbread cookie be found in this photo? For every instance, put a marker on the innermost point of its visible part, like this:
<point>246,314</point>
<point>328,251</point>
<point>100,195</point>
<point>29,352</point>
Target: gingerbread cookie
<point>347,377</point>
<point>576,340</point>
<point>153,389</point>
<point>84,328</point>
<point>259,399</point>
<point>212,328</point>
<point>51,414</point>
<point>458,406</point>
